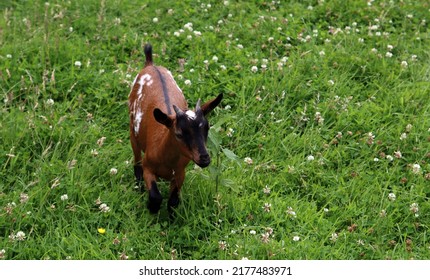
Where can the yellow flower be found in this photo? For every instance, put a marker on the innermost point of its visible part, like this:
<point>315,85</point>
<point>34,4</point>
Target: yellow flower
<point>101,230</point>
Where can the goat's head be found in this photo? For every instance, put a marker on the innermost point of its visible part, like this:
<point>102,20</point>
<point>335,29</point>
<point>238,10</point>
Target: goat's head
<point>190,129</point>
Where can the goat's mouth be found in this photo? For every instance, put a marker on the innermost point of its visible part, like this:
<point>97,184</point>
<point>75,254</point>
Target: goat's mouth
<point>203,161</point>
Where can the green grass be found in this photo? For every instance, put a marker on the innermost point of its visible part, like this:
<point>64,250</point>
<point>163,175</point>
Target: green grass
<point>325,78</point>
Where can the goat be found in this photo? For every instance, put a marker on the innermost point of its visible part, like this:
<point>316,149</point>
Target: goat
<point>166,131</point>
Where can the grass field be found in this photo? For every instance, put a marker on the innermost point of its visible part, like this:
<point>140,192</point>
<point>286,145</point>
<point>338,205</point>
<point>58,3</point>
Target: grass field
<point>320,148</point>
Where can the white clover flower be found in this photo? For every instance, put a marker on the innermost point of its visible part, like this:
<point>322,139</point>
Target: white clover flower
<point>248,160</point>
<point>416,168</point>
<point>78,63</point>
<point>254,69</point>
<point>113,171</point>
<point>389,157</point>
<point>266,190</point>
<point>404,64</point>
<point>291,212</point>
<point>267,207</point>
<point>391,196</point>
<point>222,245</point>
<point>322,53</point>
<point>64,197</point>
<point>409,127</point>
<point>101,141</point>
<point>189,26</point>
<point>215,58</point>
<point>155,20</point>
<point>403,136</point>
<point>187,82</point>
<point>374,50</point>
<point>265,237</point>
<point>20,236</point>
<point>334,237</point>
<point>2,253</point>
<point>414,208</point>
<point>23,197</point>
<point>252,232</point>
<point>230,132</point>
<point>104,208</point>
<point>49,102</point>
<point>330,82</point>
<point>319,118</point>
<point>310,158</point>
<point>296,238</point>
<point>398,154</point>
<point>388,54</point>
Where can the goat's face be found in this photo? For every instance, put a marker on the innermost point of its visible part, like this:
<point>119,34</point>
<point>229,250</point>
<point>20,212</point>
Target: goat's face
<point>190,129</point>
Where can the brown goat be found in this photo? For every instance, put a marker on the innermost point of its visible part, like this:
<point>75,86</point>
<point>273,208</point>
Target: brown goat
<point>167,132</point>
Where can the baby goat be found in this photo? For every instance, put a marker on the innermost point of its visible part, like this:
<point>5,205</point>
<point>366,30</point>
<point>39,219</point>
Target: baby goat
<point>169,134</point>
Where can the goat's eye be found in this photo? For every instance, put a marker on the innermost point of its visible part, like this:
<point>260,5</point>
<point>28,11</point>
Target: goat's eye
<point>179,135</point>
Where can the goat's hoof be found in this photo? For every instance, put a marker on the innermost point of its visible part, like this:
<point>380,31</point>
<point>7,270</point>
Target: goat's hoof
<point>154,203</point>
<point>154,206</point>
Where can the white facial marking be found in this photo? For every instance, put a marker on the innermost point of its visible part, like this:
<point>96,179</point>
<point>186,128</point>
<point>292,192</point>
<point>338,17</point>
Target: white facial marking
<point>190,114</point>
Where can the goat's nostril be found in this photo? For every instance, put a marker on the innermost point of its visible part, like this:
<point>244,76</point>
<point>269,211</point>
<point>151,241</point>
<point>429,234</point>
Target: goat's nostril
<point>204,160</point>
<point>205,157</point>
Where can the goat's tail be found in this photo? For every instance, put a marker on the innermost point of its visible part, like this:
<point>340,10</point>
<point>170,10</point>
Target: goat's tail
<point>148,54</point>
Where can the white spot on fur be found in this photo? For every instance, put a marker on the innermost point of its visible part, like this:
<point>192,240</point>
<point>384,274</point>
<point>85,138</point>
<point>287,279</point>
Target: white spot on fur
<point>191,115</point>
<point>145,79</point>
<point>137,121</point>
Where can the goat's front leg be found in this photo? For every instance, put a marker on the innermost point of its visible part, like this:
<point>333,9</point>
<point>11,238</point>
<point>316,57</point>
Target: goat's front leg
<point>175,188</point>
<point>154,197</point>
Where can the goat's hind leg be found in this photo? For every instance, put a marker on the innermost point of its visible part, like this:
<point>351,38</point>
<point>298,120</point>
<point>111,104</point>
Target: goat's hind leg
<point>138,168</point>
<point>138,173</point>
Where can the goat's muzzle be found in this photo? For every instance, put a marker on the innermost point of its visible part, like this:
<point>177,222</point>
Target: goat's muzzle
<point>204,161</point>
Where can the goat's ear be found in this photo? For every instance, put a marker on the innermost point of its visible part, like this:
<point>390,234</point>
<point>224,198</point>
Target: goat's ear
<point>162,118</point>
<point>210,105</point>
